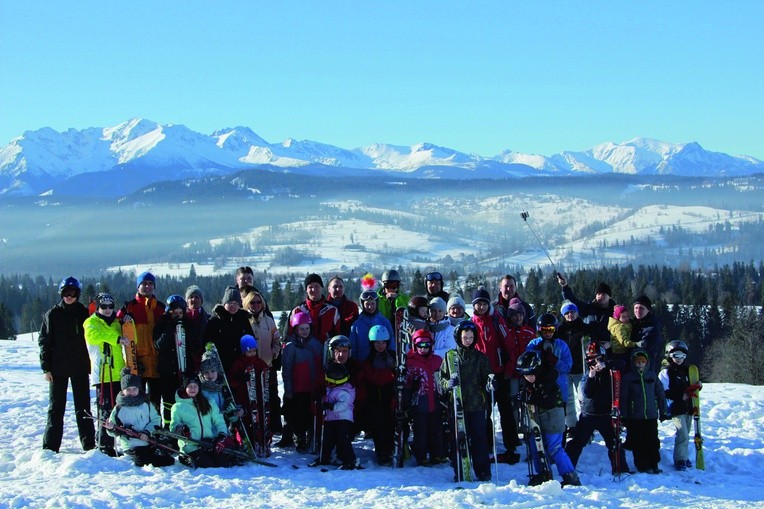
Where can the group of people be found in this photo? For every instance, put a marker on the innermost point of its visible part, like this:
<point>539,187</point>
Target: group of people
<point>348,370</point>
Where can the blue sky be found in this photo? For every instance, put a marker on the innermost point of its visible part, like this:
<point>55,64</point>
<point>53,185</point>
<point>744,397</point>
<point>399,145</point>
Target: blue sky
<point>478,76</point>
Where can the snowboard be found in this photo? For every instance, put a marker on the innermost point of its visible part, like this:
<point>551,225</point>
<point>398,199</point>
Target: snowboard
<point>131,349</point>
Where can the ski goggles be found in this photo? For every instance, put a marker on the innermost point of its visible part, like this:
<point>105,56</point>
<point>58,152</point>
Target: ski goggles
<point>678,355</point>
<point>434,276</point>
<point>548,328</point>
<point>424,345</point>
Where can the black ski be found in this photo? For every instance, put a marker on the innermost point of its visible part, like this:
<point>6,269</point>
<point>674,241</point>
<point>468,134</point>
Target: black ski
<point>209,445</point>
<point>462,452</point>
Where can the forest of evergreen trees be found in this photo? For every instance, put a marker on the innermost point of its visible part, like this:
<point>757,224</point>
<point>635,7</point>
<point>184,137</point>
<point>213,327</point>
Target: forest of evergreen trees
<point>717,312</point>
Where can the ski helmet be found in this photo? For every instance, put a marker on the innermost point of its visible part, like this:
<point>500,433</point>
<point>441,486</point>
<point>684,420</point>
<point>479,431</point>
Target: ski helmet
<point>416,302</point>
<point>299,318</point>
<point>676,346</point>
<point>368,295</point>
<point>547,320</point>
<point>391,275</point>
<point>421,336</point>
<point>339,341</point>
<point>463,326</point>
<point>175,301</point>
<point>529,362</point>
<point>595,350</point>
<point>336,374</point>
<point>70,282</point>
<point>379,333</point>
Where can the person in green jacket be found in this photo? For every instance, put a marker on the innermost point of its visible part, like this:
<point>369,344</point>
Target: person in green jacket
<point>390,295</point>
<point>198,418</point>
<point>103,335</point>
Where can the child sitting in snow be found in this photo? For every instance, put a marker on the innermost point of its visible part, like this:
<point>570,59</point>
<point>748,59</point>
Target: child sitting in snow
<point>134,411</point>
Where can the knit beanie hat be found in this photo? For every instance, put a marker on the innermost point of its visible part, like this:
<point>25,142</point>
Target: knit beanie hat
<point>617,311</point>
<point>194,290</point>
<point>104,298</point>
<point>129,380</point>
<point>603,288</point>
<point>644,300</point>
<point>191,379</point>
<point>568,306</point>
<point>145,276</point>
<point>455,301</point>
<point>231,294</point>
<point>481,294</point>
<point>439,304</point>
<point>313,278</point>
<point>248,342</point>
<point>515,307</point>
<point>210,362</point>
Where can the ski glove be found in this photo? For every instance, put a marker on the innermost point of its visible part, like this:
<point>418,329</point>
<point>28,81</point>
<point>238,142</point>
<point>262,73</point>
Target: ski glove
<point>453,382</point>
<point>182,429</point>
<point>692,390</point>
<point>327,405</point>
<point>220,443</point>
<point>549,357</point>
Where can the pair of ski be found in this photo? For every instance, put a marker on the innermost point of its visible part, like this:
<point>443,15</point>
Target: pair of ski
<point>209,445</point>
<point>462,451</point>
<point>260,413</point>
<point>400,417</point>
<point>539,471</point>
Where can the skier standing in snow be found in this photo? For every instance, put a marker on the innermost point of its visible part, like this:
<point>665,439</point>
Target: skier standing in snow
<point>676,384</point>
<point>390,295</point>
<point>595,312</point>
<point>103,335</point>
<point>64,358</point>
<point>239,376</point>
<point>195,322</point>
<point>433,283</point>
<point>347,309</point>
<point>474,370</point>
<point>228,323</point>
<point>337,404</point>
<point>440,327</point>
<point>455,307</point>
<point>325,318</point>
<point>378,376</point>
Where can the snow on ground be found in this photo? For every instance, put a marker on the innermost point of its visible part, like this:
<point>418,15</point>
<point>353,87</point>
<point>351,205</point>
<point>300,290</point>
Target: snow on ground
<point>733,427</point>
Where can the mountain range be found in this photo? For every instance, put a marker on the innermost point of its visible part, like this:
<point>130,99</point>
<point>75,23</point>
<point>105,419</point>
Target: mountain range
<point>113,161</point>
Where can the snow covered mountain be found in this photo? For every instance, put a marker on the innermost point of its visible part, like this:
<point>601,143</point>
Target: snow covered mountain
<point>139,152</point>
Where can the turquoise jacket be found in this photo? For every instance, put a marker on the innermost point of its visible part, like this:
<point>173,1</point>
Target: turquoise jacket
<point>201,426</point>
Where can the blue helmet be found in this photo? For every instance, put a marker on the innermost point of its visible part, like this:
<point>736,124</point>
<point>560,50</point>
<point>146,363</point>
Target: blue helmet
<point>175,301</point>
<point>70,282</point>
<point>379,333</point>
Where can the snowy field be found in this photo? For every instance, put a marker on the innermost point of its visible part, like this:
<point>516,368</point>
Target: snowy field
<point>31,477</point>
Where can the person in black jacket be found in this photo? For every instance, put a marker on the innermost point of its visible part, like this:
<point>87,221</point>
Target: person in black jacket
<point>595,312</point>
<point>64,357</point>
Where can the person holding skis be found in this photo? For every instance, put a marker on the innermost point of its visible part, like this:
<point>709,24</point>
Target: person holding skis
<point>378,376</point>
<point>198,418</point>
<point>542,391</point>
<point>248,370</point>
<point>228,323</point>
<point>473,376</point>
<point>643,402</point>
<point>422,366</point>
<point>135,412</point>
<point>596,411</point>
<point>679,393</point>
<point>64,358</point>
<point>390,295</point>
<point>337,404</point>
<point>553,350</point>
<point>103,334</point>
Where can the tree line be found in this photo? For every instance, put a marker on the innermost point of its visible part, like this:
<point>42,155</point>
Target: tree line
<point>717,311</point>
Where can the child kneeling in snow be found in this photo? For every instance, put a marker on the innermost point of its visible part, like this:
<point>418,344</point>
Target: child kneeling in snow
<point>134,411</point>
<point>338,419</point>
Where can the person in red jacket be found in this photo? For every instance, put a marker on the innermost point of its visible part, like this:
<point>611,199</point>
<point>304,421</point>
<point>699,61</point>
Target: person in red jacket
<point>493,340</point>
<point>146,312</point>
<point>325,318</point>
<point>348,310</point>
<point>239,378</point>
<point>378,375</point>
<point>520,334</point>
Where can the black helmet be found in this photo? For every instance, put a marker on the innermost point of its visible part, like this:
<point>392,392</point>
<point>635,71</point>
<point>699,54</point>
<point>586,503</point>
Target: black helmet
<point>676,346</point>
<point>463,326</point>
<point>391,275</point>
<point>547,320</point>
<point>418,301</point>
<point>529,362</point>
<point>70,282</point>
<point>175,301</point>
<point>339,341</point>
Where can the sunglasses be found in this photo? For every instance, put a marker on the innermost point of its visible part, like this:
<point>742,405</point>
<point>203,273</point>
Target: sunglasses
<point>548,328</point>
<point>256,302</point>
<point>106,306</point>
<point>434,276</point>
<point>423,345</point>
<point>69,294</point>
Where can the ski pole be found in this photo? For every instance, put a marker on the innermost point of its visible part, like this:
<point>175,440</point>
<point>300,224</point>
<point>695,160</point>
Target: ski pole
<point>525,216</point>
<point>491,378</point>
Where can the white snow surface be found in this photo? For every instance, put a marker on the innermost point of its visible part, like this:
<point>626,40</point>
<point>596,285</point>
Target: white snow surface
<point>733,423</point>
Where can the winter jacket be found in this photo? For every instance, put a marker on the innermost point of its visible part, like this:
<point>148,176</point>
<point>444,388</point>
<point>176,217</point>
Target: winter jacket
<point>544,392</point>
<point>592,313</point>
<point>620,334</point>
<point>343,397</point>
<point>301,366</point>
<point>474,369</point>
<point>493,341</point>
<point>142,418</point>
<point>146,313</point>
<point>325,318</point>
<point>225,331</point>
<point>268,337</point>
<point>675,379</point>
<point>360,346</point>
<point>576,335</point>
<point>196,323</point>
<point>642,395</point>
<point>564,361</point>
<point>598,393</point>
<point>348,312</point>
<point>239,377</point>
<point>501,304</point>
<point>100,337</point>
<point>63,351</point>
<point>647,330</point>
<point>387,307</point>
<point>378,377</point>
<point>167,347</point>
<point>443,336</point>
<point>207,426</point>
<point>518,338</point>
<point>421,374</point>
